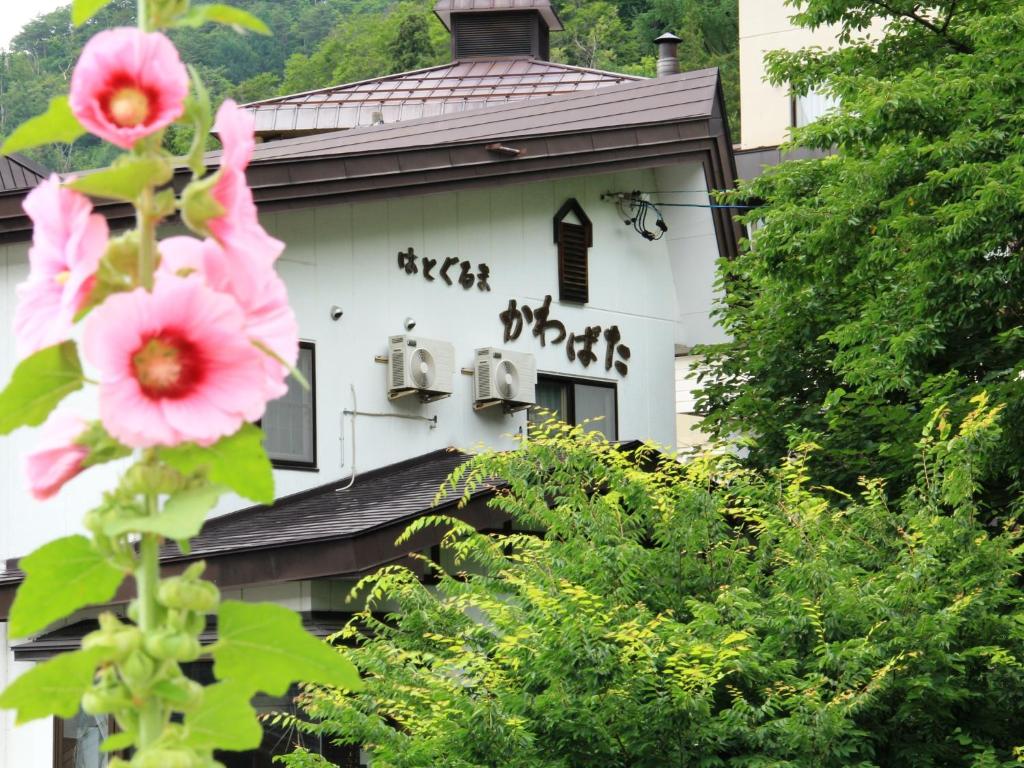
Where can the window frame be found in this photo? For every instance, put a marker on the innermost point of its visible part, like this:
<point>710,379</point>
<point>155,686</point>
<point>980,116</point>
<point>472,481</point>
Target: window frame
<point>571,381</point>
<point>58,739</point>
<point>292,464</point>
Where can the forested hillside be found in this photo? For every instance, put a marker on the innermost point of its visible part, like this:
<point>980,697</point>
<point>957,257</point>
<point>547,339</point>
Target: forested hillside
<point>322,42</point>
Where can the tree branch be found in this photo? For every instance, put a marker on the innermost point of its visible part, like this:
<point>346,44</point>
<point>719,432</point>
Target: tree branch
<point>917,18</point>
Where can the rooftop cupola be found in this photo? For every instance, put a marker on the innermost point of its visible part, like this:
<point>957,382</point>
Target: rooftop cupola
<point>493,29</point>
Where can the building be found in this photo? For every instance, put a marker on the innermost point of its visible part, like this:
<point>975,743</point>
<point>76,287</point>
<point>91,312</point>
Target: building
<point>769,112</point>
<point>477,205</point>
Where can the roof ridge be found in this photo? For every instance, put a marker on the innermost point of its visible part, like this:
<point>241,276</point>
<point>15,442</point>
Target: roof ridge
<point>278,100</point>
<point>325,89</point>
<point>29,164</point>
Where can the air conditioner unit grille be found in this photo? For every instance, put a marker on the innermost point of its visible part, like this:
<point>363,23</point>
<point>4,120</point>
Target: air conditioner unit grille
<point>397,370</point>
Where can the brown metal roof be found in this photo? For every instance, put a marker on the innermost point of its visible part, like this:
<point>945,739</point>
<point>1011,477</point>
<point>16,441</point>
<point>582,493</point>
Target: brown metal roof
<point>445,8</point>
<point>18,172</point>
<point>685,97</point>
<point>443,90</point>
<point>640,124</point>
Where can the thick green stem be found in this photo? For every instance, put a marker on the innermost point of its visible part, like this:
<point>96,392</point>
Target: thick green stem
<point>144,15</point>
<point>147,580</point>
<point>147,240</point>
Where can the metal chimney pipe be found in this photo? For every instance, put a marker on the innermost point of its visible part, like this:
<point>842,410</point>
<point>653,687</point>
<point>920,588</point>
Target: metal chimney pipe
<point>668,54</point>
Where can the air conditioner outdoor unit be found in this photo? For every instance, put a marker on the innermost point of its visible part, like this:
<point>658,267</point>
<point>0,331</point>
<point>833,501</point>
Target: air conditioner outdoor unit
<point>418,366</point>
<point>505,378</point>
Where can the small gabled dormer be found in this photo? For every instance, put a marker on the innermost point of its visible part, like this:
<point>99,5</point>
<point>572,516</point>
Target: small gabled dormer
<point>490,29</point>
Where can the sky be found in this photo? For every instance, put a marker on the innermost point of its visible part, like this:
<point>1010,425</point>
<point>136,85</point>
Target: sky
<point>14,14</point>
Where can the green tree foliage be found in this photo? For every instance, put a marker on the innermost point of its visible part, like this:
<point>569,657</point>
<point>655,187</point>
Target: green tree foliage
<point>317,43</point>
<point>696,615</point>
<point>888,276</point>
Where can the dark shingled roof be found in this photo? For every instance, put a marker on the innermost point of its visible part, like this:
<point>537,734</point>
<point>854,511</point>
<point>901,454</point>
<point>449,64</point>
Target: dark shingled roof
<point>447,89</point>
<point>18,172</point>
<point>378,498</point>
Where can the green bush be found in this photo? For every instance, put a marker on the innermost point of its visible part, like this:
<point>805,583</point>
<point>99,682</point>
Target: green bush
<point>697,615</point>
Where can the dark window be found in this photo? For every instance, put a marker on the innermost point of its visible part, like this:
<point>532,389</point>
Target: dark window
<point>290,421</point>
<point>574,240</point>
<point>76,742</point>
<point>594,404</point>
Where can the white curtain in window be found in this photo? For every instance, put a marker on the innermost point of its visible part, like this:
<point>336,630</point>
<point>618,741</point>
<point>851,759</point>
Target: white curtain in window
<point>812,106</point>
<point>288,422</point>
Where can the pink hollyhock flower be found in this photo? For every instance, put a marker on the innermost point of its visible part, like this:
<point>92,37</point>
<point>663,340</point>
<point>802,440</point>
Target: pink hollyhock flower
<point>58,457</point>
<point>259,291</point>
<point>175,365</point>
<point>238,228</point>
<point>68,242</point>
<point>128,84</point>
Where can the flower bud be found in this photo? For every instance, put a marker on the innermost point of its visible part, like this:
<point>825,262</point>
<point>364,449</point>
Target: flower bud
<point>186,695</point>
<point>117,640</point>
<point>138,669</point>
<point>172,646</point>
<point>189,594</point>
<point>198,205</point>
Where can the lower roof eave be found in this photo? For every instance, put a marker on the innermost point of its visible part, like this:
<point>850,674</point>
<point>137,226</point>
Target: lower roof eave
<point>351,557</point>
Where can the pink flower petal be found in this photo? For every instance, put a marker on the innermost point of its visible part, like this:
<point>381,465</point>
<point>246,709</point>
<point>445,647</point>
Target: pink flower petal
<point>204,379</point>
<point>125,60</point>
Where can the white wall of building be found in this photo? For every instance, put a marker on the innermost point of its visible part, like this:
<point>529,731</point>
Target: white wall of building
<point>658,294</point>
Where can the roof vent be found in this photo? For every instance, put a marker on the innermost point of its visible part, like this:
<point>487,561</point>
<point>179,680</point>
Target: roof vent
<point>490,29</point>
<point>668,54</point>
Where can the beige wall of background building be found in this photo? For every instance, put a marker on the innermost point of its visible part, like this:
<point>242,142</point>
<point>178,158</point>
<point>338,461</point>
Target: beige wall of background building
<point>766,109</point>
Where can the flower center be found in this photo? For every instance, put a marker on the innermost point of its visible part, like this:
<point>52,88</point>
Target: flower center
<point>128,107</point>
<point>61,278</point>
<point>167,366</point>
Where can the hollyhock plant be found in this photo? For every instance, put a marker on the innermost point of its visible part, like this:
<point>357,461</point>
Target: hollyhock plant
<point>259,291</point>
<point>238,228</point>
<point>186,341</point>
<point>68,242</point>
<point>127,85</point>
<point>175,365</point>
<point>58,458</point>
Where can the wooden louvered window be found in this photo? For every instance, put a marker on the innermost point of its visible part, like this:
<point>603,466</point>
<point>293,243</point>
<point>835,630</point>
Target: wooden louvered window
<point>495,34</point>
<point>574,241</point>
<point>573,283</point>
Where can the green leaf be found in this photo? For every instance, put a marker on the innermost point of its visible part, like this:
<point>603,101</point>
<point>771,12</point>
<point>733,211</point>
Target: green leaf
<point>52,688</point>
<point>219,13</point>
<point>115,742</point>
<point>239,462</point>
<point>56,124</point>
<point>125,179</point>
<point>83,10</point>
<point>39,382</point>
<point>225,720</point>
<point>200,112</point>
<point>264,646</point>
<point>61,577</point>
<point>182,517</point>
<point>102,447</point>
